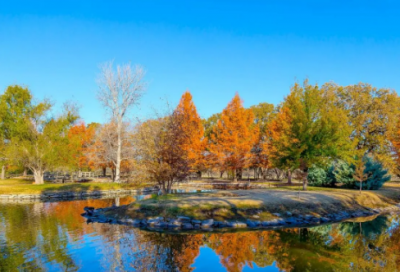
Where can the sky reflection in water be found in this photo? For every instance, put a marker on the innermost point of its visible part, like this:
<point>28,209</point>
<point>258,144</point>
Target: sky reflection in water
<point>54,237</point>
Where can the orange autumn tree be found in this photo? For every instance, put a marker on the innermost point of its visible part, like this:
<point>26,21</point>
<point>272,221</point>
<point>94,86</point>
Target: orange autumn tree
<point>233,137</point>
<point>80,138</point>
<point>191,130</point>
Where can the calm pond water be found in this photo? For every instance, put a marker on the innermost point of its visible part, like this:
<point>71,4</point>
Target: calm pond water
<point>53,236</point>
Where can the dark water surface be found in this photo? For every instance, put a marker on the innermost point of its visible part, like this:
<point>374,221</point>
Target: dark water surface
<point>53,236</point>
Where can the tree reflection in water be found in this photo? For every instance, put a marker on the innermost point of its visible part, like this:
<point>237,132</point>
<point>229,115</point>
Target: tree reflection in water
<point>53,236</point>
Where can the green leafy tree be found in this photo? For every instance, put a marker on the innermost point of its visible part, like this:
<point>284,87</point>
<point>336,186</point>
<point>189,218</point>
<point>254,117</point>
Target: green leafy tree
<point>33,138</point>
<point>3,157</point>
<point>373,115</point>
<point>45,147</point>
<point>17,110</point>
<point>16,106</point>
<point>314,131</point>
<point>209,124</point>
<point>263,114</point>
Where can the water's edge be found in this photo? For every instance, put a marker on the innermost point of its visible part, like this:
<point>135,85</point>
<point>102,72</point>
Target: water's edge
<point>78,195</point>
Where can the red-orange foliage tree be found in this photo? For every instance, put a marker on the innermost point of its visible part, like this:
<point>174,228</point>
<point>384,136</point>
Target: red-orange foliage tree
<point>80,138</point>
<point>233,137</point>
<point>191,130</point>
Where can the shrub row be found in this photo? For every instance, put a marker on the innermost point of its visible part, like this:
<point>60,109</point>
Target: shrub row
<point>341,172</point>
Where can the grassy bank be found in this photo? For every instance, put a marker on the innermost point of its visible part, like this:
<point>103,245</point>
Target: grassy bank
<point>20,186</point>
<point>260,204</point>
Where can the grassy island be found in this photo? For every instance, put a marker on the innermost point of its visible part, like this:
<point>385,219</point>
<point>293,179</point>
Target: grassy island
<point>258,204</point>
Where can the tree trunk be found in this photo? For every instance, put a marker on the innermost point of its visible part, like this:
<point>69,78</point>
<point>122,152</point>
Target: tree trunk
<point>234,175</point>
<point>289,176</point>
<point>166,187</point>
<point>3,172</point>
<point>169,186</point>
<point>305,181</point>
<point>25,172</point>
<point>221,173</point>
<point>104,171</point>
<point>112,174</point>
<point>163,190</point>
<point>119,148</point>
<point>38,175</point>
<point>239,173</point>
<point>265,174</point>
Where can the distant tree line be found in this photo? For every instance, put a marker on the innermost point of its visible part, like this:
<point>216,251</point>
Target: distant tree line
<point>315,131</point>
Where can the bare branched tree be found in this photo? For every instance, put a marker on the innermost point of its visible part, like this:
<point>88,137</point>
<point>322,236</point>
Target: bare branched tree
<point>103,151</point>
<point>119,91</point>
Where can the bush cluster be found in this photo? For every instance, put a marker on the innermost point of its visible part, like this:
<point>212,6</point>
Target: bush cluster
<point>341,172</point>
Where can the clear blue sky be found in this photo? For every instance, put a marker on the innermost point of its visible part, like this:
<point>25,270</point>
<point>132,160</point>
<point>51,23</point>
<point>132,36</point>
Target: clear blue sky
<point>212,48</point>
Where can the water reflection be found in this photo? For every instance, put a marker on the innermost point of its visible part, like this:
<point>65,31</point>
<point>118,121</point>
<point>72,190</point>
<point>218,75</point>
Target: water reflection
<point>54,237</point>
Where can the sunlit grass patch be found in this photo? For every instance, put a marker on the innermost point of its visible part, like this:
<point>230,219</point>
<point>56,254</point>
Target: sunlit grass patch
<point>18,186</point>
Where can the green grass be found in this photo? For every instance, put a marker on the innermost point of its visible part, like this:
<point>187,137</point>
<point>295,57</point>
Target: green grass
<point>20,186</point>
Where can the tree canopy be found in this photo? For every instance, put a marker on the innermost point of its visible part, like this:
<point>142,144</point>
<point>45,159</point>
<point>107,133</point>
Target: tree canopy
<point>31,136</point>
<point>313,127</point>
<point>309,129</point>
<point>233,137</point>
